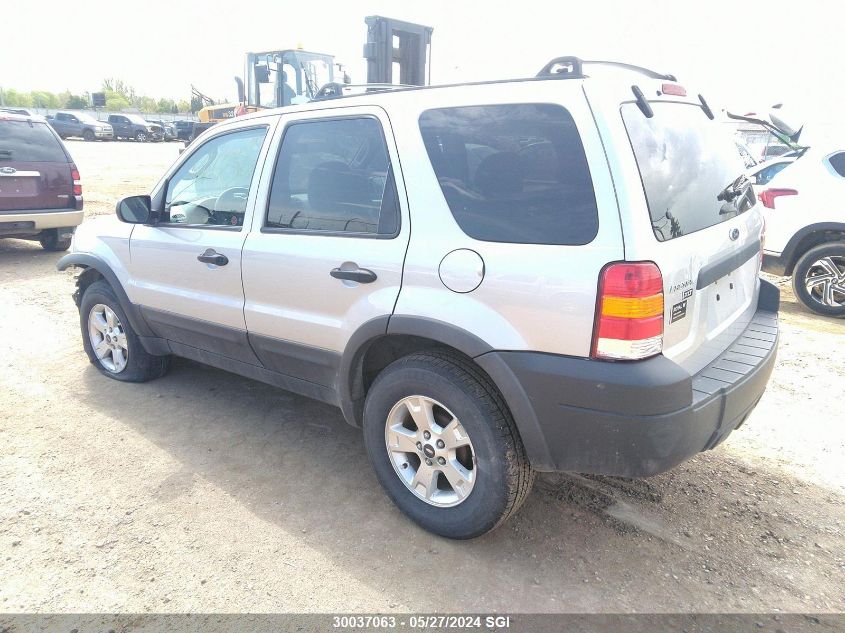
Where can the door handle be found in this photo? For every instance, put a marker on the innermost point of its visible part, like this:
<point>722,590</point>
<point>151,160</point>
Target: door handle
<point>210,256</point>
<point>361,275</point>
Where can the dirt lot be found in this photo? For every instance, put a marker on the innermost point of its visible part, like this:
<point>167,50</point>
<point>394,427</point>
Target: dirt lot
<point>204,491</point>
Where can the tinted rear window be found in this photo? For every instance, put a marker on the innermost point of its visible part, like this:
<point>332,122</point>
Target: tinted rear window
<point>513,173</point>
<point>685,161</point>
<point>23,142</point>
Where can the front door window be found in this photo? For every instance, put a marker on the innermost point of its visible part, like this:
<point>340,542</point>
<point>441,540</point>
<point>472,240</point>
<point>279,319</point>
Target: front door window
<point>212,186</point>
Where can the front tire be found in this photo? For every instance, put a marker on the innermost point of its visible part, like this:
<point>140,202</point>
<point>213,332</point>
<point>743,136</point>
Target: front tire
<point>141,137</point>
<point>444,445</point>
<point>819,279</point>
<point>112,345</point>
<point>88,136</point>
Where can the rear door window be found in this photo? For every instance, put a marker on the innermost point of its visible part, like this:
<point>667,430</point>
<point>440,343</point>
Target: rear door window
<point>334,175</point>
<point>685,162</point>
<point>513,173</point>
<point>837,161</point>
<point>25,141</point>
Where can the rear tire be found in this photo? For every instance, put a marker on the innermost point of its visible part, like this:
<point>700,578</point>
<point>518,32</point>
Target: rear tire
<point>88,135</point>
<point>497,475</point>
<point>50,241</point>
<point>819,279</point>
<point>133,363</point>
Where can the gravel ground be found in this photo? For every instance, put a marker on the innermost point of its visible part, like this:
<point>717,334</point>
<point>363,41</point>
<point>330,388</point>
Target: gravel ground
<point>204,491</point>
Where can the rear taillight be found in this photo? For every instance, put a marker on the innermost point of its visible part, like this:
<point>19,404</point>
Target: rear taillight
<point>767,196</point>
<point>77,182</point>
<point>629,312</point>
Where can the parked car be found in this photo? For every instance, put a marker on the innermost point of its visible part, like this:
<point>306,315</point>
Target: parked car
<point>133,126</point>
<point>805,228</point>
<point>81,125</point>
<point>184,130</point>
<point>40,188</point>
<point>574,295</point>
<point>168,133</point>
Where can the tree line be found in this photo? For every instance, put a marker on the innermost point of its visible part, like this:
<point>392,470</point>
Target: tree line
<point>119,96</point>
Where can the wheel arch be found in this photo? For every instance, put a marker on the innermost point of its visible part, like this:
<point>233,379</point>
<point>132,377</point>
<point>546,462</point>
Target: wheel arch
<point>93,269</point>
<point>809,237</point>
<point>380,341</point>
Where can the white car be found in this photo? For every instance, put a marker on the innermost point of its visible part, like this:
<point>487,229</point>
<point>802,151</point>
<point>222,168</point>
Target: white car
<point>550,274</point>
<point>805,228</point>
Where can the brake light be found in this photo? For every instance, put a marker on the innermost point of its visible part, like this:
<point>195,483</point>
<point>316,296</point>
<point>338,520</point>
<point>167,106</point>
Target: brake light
<point>77,182</point>
<point>629,312</point>
<point>767,196</point>
<point>673,89</point>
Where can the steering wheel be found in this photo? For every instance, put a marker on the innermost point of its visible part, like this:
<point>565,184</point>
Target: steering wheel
<point>232,200</point>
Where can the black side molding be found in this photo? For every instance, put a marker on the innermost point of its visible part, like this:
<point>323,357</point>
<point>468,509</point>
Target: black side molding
<point>712,272</point>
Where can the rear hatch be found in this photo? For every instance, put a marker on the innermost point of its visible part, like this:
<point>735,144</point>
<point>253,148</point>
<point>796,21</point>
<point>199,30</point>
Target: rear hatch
<point>705,229</point>
<point>35,170</point>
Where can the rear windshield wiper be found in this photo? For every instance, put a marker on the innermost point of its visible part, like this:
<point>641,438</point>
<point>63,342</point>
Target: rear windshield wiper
<point>735,189</point>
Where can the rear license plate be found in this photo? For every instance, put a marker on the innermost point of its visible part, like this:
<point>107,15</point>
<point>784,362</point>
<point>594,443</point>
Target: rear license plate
<point>16,187</point>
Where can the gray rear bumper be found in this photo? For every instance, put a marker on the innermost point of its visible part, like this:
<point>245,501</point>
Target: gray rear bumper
<point>634,418</point>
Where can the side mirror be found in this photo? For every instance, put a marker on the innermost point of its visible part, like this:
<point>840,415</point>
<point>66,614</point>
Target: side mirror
<point>135,210</point>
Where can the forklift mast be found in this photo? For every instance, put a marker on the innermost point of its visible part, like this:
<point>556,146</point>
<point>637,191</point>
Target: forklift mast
<point>394,42</point>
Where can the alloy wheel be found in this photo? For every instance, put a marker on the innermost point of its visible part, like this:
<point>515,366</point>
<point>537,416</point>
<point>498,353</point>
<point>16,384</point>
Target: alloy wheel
<point>108,338</point>
<point>430,451</point>
<point>825,281</point>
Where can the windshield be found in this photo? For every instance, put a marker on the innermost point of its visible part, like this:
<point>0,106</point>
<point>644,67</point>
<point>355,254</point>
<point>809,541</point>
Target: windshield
<point>688,166</point>
<point>134,118</point>
<point>86,118</point>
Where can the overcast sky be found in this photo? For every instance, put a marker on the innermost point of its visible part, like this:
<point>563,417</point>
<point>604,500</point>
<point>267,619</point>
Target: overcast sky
<point>747,54</point>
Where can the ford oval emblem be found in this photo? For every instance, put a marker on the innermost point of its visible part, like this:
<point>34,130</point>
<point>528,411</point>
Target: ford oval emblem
<point>7,170</point>
<point>734,235</point>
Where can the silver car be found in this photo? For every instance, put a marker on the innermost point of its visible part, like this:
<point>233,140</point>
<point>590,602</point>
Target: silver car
<point>551,274</point>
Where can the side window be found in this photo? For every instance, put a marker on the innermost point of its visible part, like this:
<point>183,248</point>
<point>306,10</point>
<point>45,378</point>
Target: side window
<point>212,186</point>
<point>837,161</point>
<point>334,175</point>
<point>513,173</point>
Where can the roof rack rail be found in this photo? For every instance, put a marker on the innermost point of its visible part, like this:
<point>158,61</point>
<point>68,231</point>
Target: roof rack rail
<point>336,90</point>
<point>569,67</point>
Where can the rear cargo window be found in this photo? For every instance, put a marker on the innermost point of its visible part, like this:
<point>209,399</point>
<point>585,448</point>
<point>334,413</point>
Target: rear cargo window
<point>513,173</point>
<point>22,142</point>
<point>685,161</point>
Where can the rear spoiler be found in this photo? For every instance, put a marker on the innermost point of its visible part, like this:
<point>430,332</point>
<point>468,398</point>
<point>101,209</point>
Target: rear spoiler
<point>776,127</point>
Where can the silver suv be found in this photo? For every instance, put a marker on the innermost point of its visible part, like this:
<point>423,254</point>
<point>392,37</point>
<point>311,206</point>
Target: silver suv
<point>548,274</point>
